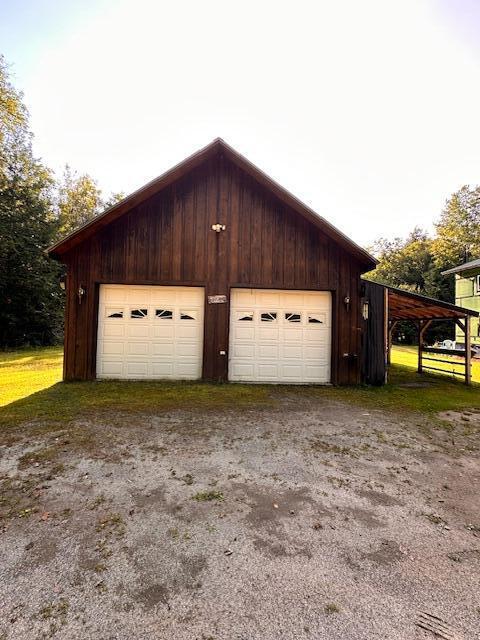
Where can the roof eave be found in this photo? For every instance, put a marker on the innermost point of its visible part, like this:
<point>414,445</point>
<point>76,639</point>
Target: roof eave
<point>433,302</point>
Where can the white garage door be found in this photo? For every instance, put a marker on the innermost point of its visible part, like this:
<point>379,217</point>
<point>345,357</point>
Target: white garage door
<point>280,336</point>
<point>150,332</point>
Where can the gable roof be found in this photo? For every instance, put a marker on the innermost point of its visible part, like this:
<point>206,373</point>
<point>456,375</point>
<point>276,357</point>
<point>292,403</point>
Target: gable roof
<point>473,266</point>
<point>218,146</point>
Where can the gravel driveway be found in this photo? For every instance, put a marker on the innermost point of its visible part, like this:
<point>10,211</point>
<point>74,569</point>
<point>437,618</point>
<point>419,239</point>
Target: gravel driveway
<point>311,519</point>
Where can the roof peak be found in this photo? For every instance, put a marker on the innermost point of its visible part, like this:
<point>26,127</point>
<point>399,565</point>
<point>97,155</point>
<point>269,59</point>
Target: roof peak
<point>187,165</point>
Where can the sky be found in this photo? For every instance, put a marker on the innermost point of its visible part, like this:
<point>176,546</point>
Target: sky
<point>367,111</point>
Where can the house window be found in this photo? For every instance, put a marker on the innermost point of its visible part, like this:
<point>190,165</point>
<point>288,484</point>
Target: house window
<point>269,316</point>
<point>187,315</point>
<point>476,285</point>
<point>293,317</point>
<point>163,314</point>
<point>314,318</point>
<point>138,313</point>
<point>114,313</point>
<point>245,316</point>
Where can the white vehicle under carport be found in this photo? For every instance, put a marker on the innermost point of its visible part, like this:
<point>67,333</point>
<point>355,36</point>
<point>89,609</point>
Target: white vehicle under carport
<point>452,345</point>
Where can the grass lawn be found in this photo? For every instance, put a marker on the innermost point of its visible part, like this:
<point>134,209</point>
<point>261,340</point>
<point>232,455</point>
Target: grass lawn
<point>31,392</point>
<point>407,356</point>
<point>25,372</point>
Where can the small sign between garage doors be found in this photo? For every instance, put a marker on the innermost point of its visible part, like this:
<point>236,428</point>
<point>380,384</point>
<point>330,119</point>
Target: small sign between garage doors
<point>220,299</point>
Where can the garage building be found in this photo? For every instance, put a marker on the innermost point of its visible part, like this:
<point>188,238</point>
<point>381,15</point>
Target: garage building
<point>213,271</point>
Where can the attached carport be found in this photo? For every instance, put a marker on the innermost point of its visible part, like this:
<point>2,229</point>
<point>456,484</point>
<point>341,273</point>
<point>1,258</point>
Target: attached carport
<point>385,307</point>
<point>422,311</point>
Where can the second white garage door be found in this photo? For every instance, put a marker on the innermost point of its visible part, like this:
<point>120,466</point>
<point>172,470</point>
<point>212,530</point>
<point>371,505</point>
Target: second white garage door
<point>280,336</point>
<point>150,332</point>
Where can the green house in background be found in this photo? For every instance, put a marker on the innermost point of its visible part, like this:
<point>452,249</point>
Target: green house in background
<point>467,295</point>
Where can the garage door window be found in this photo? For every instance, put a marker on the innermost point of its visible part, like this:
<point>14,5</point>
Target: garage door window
<point>244,316</point>
<point>269,316</point>
<point>164,314</point>
<point>114,313</point>
<point>138,313</point>
<point>293,317</point>
<point>187,315</point>
<point>315,319</point>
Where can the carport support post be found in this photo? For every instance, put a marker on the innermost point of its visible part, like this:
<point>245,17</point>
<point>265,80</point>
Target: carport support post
<point>465,327</point>
<point>468,352</point>
<point>422,327</point>
<point>391,326</point>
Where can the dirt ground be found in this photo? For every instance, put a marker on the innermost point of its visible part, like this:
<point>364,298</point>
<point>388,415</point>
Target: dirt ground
<point>312,519</point>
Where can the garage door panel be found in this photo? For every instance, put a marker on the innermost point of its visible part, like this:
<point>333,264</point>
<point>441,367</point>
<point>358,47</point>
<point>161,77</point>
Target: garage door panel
<point>268,351</point>
<point>163,349</point>
<point>292,334</point>
<point>267,298</point>
<point>314,371</point>
<point>186,349</point>
<point>268,333</point>
<point>243,370</point>
<point>163,330</point>
<point>185,332</point>
<point>113,296</point>
<point>293,372</point>
<point>162,296</point>
<point>137,330</point>
<point>293,351</point>
<point>162,369</point>
<point>288,337</point>
<point>113,348</point>
<point>185,370</point>
<point>315,352</point>
<point>151,331</point>
<point>112,368</point>
<point>243,350</point>
<point>293,300</point>
<point>245,298</point>
<point>244,333</point>
<point>137,348</point>
<point>113,331</point>
<point>137,369</point>
<point>137,296</point>
<point>268,371</point>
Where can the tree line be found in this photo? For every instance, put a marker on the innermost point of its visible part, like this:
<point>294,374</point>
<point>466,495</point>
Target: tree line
<point>36,209</point>
<point>416,262</point>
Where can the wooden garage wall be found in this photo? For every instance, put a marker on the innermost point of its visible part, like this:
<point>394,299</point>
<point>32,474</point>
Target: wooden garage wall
<point>374,352</point>
<point>168,240</point>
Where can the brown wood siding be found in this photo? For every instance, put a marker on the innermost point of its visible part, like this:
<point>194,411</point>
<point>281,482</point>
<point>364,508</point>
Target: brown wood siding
<point>374,366</point>
<point>167,240</point>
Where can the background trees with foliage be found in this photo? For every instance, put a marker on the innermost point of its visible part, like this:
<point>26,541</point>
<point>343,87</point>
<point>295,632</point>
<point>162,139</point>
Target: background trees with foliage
<point>29,302</point>
<point>35,210</point>
<point>416,263</point>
